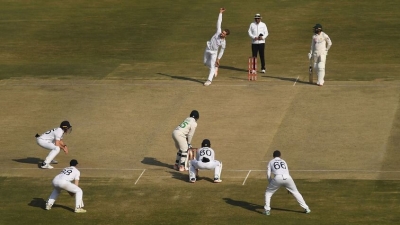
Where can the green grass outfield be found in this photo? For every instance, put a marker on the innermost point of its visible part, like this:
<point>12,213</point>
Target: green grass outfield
<point>125,73</point>
<point>120,201</point>
<point>160,39</point>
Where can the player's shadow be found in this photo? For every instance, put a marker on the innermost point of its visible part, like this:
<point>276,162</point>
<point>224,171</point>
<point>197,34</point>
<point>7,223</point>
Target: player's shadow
<point>288,79</point>
<point>30,160</point>
<point>41,203</point>
<point>181,78</point>
<point>154,162</point>
<point>287,210</point>
<point>246,205</point>
<point>232,68</point>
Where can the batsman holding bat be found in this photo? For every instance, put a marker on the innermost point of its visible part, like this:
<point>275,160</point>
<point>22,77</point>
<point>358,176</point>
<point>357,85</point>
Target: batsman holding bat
<point>63,181</point>
<point>182,136</point>
<point>320,45</point>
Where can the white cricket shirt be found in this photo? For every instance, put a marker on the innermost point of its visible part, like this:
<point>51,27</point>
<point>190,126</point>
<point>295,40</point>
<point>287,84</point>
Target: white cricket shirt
<point>188,127</point>
<point>277,166</point>
<point>320,42</point>
<point>69,174</point>
<point>53,134</point>
<point>205,152</point>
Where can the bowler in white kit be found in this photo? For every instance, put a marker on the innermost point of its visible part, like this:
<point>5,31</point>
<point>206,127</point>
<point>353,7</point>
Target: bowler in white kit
<point>279,168</point>
<point>216,42</point>
<point>63,181</point>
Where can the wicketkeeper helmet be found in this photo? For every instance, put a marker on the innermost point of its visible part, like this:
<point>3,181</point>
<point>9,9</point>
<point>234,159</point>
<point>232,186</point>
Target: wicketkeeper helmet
<point>206,143</point>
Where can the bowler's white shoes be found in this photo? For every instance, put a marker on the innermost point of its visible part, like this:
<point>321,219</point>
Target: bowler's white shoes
<point>207,83</point>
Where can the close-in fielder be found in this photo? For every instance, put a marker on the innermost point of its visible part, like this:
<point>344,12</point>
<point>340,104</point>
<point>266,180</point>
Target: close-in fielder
<point>205,160</point>
<point>279,168</point>
<point>182,136</point>
<point>63,181</point>
<point>320,45</point>
<point>52,140</point>
<point>210,54</point>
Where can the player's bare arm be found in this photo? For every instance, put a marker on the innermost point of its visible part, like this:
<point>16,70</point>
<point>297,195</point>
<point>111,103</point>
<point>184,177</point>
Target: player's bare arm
<point>63,146</point>
<point>221,10</point>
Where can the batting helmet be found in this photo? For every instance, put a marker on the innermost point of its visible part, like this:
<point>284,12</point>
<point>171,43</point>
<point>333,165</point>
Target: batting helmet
<point>195,114</point>
<point>206,143</point>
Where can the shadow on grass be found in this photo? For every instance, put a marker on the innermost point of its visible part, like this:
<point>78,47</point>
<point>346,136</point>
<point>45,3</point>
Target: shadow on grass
<point>287,210</point>
<point>29,160</point>
<point>246,205</point>
<point>232,68</point>
<point>41,203</point>
<point>181,78</point>
<point>154,162</point>
<point>288,79</point>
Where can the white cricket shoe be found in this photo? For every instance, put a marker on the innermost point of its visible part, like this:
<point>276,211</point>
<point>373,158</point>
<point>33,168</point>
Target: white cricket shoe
<point>207,83</point>
<point>262,71</point>
<point>192,180</point>
<point>46,166</point>
<point>48,206</point>
<point>307,210</point>
<point>80,210</point>
<point>267,212</point>
<point>217,180</point>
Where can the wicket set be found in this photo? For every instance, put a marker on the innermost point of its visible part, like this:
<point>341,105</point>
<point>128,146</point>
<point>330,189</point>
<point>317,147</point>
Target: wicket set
<point>252,75</point>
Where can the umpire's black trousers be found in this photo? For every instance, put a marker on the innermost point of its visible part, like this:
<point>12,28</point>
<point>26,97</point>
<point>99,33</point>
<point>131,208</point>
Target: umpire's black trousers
<point>259,48</point>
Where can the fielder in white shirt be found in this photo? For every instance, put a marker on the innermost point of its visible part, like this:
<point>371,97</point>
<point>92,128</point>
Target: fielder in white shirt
<point>320,45</point>
<point>205,160</point>
<point>210,54</point>
<point>279,168</point>
<point>182,136</point>
<point>258,32</point>
<point>63,181</point>
<point>52,140</point>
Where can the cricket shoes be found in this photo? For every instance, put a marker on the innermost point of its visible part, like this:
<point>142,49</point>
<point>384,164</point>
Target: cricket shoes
<point>307,211</point>
<point>262,71</point>
<point>48,206</point>
<point>217,180</point>
<point>46,166</point>
<point>192,180</point>
<point>216,72</point>
<point>267,212</point>
<point>207,83</point>
<point>80,210</point>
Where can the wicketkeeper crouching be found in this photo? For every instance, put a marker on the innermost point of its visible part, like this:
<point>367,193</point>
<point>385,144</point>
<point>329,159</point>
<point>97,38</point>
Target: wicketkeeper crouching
<point>204,160</point>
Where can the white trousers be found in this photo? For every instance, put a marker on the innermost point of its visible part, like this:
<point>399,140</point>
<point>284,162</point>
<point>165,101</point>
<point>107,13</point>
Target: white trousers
<point>54,150</point>
<point>59,185</point>
<point>210,57</point>
<point>288,183</point>
<point>212,165</point>
<point>181,145</point>
<point>319,59</point>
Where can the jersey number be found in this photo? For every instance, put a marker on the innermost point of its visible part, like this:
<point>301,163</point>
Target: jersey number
<point>278,165</point>
<point>205,152</point>
<point>67,172</point>
<point>184,124</point>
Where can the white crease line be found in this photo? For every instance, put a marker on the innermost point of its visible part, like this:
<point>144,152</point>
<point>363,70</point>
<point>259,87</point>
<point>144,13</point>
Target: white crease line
<point>140,176</point>
<point>246,177</point>
<point>296,80</point>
